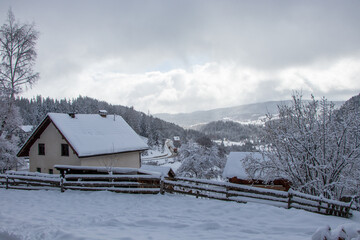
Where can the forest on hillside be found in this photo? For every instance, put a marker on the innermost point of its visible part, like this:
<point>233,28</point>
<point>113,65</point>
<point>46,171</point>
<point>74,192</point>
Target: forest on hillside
<point>232,131</point>
<point>156,130</point>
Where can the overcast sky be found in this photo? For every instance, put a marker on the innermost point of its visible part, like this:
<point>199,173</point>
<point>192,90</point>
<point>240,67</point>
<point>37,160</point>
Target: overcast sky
<point>182,56</point>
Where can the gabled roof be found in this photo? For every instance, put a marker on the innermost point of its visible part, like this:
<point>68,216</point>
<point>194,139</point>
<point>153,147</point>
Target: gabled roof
<point>234,165</point>
<point>90,134</point>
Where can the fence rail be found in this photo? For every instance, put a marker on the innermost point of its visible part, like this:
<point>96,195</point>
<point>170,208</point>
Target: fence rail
<point>154,184</point>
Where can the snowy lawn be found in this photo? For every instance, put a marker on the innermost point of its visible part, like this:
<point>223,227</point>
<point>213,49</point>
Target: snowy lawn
<point>78,215</point>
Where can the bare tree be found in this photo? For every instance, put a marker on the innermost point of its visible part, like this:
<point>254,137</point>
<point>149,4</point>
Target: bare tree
<point>18,55</point>
<point>17,52</point>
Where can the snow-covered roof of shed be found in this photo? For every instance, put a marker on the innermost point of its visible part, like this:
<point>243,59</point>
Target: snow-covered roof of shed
<point>234,165</point>
<point>27,128</point>
<point>92,134</point>
<point>163,170</point>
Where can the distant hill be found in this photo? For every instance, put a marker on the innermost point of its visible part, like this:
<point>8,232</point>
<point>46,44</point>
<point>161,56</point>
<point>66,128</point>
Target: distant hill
<point>249,113</point>
<point>351,105</point>
<point>232,131</point>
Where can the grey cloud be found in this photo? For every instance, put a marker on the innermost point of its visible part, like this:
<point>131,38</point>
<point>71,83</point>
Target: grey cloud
<point>145,36</point>
<point>257,33</point>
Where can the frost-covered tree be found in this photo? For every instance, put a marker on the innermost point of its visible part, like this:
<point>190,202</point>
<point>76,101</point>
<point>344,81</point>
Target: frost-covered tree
<point>8,159</point>
<point>17,55</point>
<point>200,161</point>
<point>312,146</point>
<point>8,140</point>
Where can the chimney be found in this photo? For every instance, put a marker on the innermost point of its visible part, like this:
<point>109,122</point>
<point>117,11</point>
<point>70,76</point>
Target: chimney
<point>72,114</point>
<point>103,113</point>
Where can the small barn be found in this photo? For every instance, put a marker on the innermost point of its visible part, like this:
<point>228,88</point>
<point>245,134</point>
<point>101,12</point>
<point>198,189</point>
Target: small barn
<point>82,140</point>
<point>235,172</point>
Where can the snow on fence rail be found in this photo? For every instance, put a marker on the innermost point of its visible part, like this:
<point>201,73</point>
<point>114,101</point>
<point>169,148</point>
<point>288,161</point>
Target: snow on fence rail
<point>153,184</point>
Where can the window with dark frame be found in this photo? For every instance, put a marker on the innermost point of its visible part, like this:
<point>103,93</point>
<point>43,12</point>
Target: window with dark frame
<point>64,150</point>
<point>38,169</point>
<point>51,171</point>
<point>41,149</point>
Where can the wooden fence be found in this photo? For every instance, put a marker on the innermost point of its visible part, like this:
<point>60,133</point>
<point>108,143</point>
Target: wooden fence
<point>29,181</point>
<point>154,184</point>
<point>241,193</point>
<point>122,183</point>
<point>114,183</point>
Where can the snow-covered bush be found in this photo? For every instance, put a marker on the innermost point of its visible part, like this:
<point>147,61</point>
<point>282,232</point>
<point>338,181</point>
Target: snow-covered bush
<point>10,120</point>
<point>342,232</point>
<point>8,159</point>
<point>200,161</point>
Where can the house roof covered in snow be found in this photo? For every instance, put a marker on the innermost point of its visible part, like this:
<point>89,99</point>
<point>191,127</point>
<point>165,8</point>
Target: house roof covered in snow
<point>90,134</point>
<point>234,165</point>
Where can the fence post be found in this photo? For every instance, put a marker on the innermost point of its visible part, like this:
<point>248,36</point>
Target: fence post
<point>328,209</point>
<point>290,196</point>
<point>62,176</point>
<point>7,182</point>
<point>62,184</point>
<point>319,207</point>
<point>347,209</point>
<point>162,185</point>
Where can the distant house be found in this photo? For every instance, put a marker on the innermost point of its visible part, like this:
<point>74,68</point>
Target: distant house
<point>176,141</point>
<point>23,132</point>
<point>235,172</point>
<point>82,140</point>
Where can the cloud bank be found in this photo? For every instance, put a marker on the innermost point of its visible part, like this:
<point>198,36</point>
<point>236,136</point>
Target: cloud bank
<point>210,85</point>
<point>182,56</point>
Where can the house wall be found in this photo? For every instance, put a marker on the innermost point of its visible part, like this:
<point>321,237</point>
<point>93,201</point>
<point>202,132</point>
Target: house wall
<point>53,140</point>
<point>129,159</point>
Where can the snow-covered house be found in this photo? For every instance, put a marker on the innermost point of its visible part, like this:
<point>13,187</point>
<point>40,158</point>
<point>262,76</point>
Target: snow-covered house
<point>82,140</point>
<point>235,172</point>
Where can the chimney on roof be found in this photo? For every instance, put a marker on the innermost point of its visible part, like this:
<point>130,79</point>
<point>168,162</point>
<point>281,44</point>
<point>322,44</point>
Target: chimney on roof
<point>103,113</point>
<point>72,114</point>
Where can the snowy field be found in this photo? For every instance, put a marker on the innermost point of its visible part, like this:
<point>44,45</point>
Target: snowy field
<point>74,215</point>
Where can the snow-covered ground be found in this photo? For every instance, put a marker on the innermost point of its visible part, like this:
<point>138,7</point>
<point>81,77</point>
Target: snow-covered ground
<point>74,215</point>
<point>173,164</point>
<point>155,153</point>
<point>158,153</point>
<point>161,158</point>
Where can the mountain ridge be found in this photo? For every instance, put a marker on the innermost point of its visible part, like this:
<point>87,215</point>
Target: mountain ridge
<point>247,113</point>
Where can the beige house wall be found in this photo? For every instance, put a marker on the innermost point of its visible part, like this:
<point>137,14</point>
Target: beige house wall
<point>129,159</point>
<point>53,140</point>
